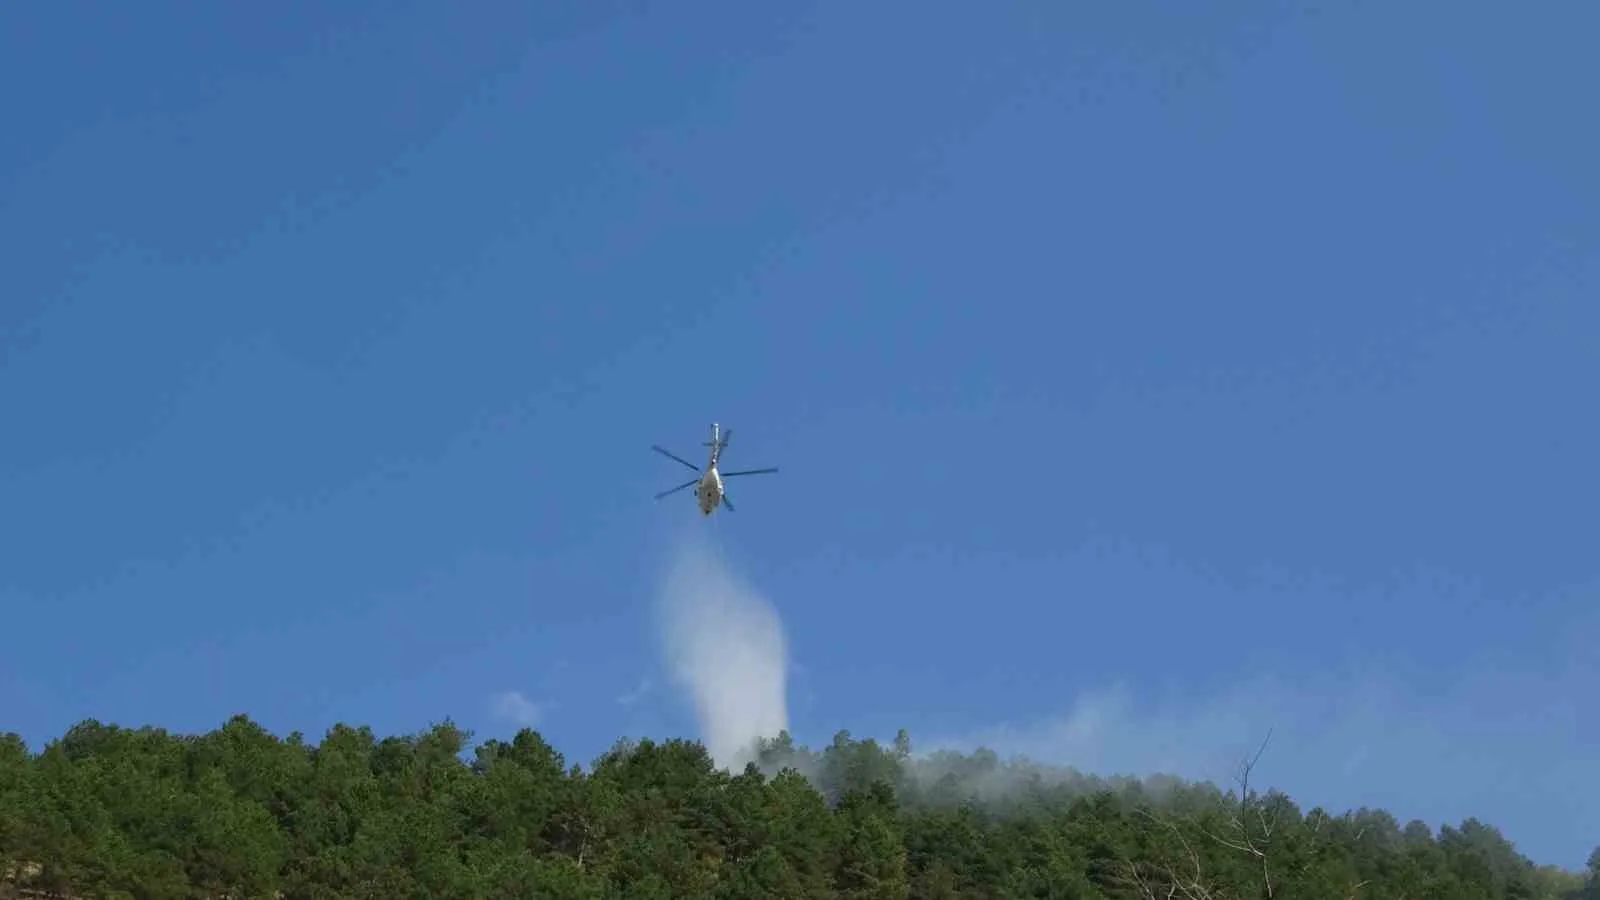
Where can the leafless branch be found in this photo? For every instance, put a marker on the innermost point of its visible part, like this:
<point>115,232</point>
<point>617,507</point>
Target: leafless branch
<point>1240,821</point>
<point>1192,885</point>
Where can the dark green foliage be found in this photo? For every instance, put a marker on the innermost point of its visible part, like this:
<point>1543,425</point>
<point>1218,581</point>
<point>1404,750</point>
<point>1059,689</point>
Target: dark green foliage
<point>239,812</point>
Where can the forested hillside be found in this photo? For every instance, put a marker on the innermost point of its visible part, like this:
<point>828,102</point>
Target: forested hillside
<point>113,812</point>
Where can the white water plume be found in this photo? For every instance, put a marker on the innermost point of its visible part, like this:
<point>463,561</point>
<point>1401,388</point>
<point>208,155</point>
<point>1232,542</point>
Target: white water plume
<point>725,646</point>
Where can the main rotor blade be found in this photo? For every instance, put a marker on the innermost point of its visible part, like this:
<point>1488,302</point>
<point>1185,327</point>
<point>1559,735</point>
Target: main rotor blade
<point>726,503</point>
<point>748,472</point>
<point>674,457</point>
<point>677,489</point>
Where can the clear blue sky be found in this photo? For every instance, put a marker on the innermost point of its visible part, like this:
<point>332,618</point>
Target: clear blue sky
<point>1142,375</point>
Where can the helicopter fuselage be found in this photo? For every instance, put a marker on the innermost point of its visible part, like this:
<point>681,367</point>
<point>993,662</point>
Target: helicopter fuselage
<point>709,491</point>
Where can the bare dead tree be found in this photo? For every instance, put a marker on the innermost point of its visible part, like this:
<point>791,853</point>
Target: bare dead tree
<point>1250,829</point>
<point>1251,824</point>
<point>1267,820</point>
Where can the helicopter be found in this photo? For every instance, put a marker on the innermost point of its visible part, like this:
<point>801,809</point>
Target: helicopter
<point>708,488</point>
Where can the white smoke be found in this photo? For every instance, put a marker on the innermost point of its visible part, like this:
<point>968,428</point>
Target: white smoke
<point>724,645</point>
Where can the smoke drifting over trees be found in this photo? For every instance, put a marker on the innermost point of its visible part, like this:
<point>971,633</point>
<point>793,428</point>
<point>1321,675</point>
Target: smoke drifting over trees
<point>114,812</point>
<point>106,811</point>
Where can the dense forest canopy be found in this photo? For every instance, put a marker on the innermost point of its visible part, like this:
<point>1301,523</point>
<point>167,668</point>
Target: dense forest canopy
<point>116,812</point>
